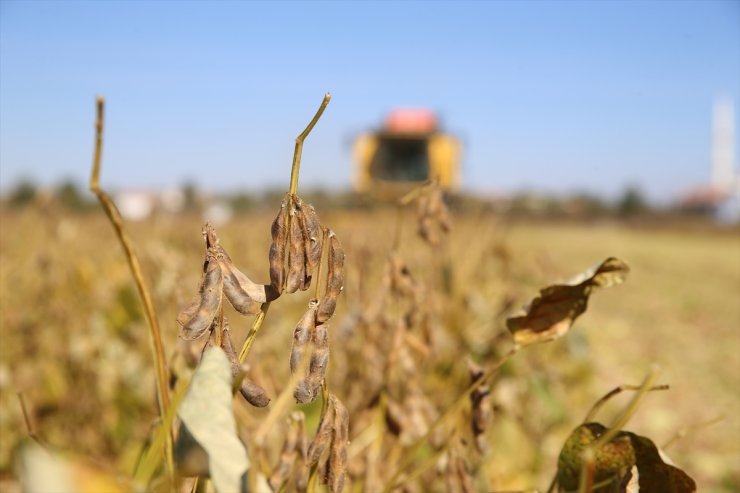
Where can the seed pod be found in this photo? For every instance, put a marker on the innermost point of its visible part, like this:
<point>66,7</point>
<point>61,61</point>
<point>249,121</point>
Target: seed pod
<point>338,453</point>
<point>319,360</point>
<point>301,335</point>
<point>334,279</point>
<point>402,282</point>
<point>252,393</point>
<point>289,452</point>
<point>433,216</point>
<point>244,295</point>
<point>297,260</point>
<point>323,436</point>
<point>441,212</point>
<point>481,410</point>
<point>457,477</point>
<point>304,393</point>
<point>195,320</point>
<point>277,249</point>
<point>312,235</point>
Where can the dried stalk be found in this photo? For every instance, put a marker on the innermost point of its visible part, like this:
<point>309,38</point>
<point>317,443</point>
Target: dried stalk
<point>299,145</point>
<point>617,390</point>
<point>155,334</point>
<point>247,346</point>
<point>27,420</point>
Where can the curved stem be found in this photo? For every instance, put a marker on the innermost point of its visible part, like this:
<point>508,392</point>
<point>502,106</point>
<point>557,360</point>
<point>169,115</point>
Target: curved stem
<point>600,403</point>
<point>155,335</point>
<point>299,145</point>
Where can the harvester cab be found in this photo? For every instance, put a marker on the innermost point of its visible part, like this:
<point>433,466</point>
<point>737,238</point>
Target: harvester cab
<point>407,151</point>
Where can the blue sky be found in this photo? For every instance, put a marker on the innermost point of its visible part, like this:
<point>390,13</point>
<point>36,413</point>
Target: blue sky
<point>557,96</point>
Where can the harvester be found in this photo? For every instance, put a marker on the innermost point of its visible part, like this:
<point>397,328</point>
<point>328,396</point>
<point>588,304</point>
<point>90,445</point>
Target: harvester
<point>408,150</point>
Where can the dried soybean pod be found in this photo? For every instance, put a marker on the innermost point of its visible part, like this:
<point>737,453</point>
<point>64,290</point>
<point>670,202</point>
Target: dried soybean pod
<point>338,452</point>
<point>402,282</point>
<point>189,312</point>
<point>297,255</point>
<point>442,212</point>
<point>481,409</point>
<point>244,295</point>
<point>306,236</point>
<point>334,279</point>
<point>304,392</point>
<point>252,393</point>
<point>301,471</point>
<point>277,249</point>
<point>457,477</point>
<point>210,301</point>
<point>319,360</point>
<point>313,235</point>
<point>301,335</point>
<point>323,436</point>
<point>425,222</point>
<point>288,453</point>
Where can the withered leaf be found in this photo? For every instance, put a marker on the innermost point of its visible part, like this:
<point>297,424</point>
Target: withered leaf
<point>552,313</point>
<point>207,413</point>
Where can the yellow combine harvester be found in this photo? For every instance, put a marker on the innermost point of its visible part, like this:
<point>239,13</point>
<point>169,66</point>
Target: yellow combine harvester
<point>408,150</point>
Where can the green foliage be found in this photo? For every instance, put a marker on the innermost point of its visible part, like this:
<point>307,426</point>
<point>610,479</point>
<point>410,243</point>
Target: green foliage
<point>632,203</point>
<point>627,463</point>
<point>23,193</point>
<point>69,196</point>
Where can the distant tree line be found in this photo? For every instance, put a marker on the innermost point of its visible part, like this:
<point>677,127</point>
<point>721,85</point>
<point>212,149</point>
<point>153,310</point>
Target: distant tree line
<point>631,202</point>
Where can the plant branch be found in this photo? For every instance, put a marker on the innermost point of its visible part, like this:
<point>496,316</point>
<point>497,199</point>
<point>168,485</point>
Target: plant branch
<point>629,411</point>
<point>617,390</point>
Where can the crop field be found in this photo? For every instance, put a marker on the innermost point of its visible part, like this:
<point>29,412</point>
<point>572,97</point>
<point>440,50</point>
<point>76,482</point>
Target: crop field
<point>76,353</point>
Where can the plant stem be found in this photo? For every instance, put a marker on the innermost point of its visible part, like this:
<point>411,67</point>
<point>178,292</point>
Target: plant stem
<point>280,405</point>
<point>247,346</point>
<point>152,458</point>
<point>299,145</point>
<point>600,403</point>
<point>133,262</point>
<point>628,412</point>
<point>27,420</point>
<point>684,431</point>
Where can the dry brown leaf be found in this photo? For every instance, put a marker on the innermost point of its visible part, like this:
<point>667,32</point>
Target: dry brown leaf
<point>552,313</point>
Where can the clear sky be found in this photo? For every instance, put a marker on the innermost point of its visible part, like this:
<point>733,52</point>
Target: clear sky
<point>558,96</point>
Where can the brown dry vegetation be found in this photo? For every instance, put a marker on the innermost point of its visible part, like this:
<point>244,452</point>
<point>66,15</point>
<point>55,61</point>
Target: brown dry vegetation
<point>75,343</point>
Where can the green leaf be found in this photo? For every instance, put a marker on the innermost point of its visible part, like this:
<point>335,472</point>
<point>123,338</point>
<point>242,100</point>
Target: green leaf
<point>552,313</point>
<point>612,462</point>
<point>628,463</point>
<point>207,414</point>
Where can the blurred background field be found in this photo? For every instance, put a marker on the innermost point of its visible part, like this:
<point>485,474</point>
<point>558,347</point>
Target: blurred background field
<point>75,343</point>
